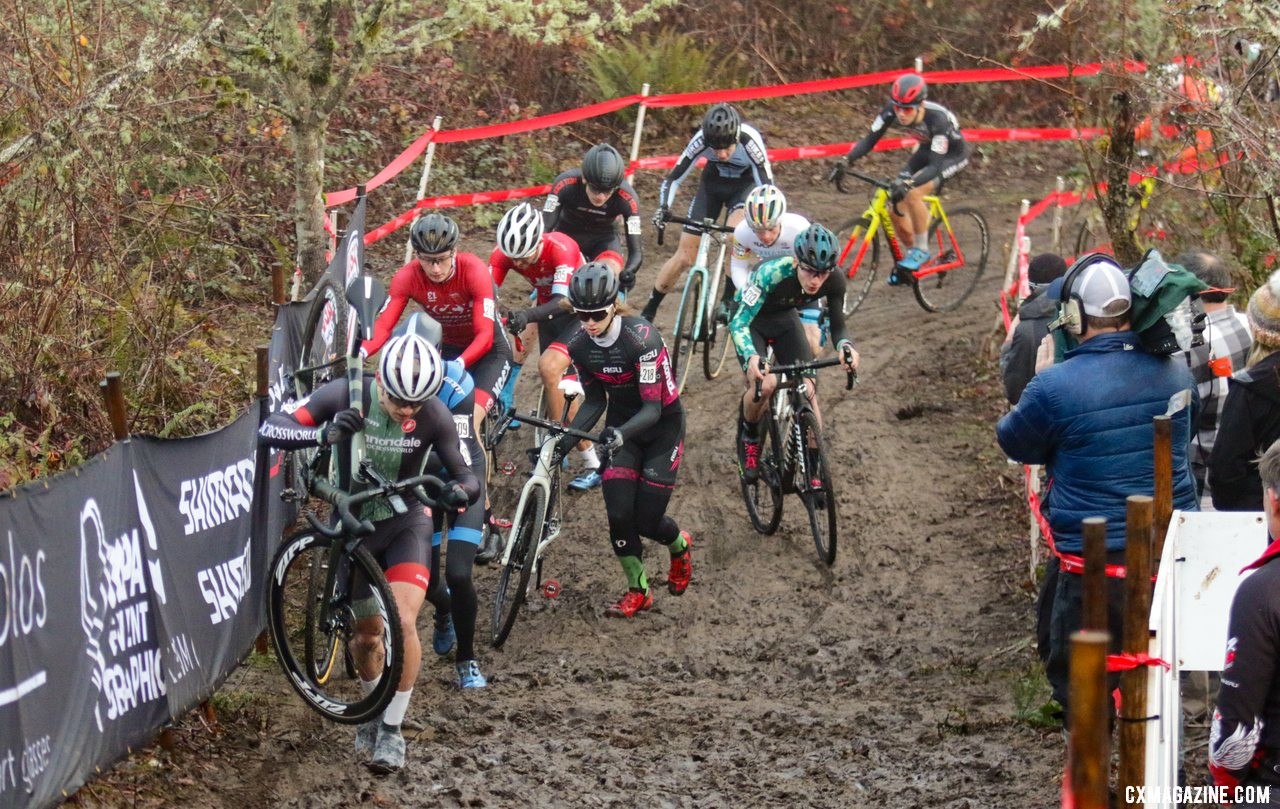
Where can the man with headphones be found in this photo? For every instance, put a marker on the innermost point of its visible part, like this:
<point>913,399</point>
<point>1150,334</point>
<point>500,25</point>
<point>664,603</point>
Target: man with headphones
<point>1088,421</point>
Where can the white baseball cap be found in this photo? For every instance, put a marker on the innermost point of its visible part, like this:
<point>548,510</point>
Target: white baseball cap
<point>1101,284</point>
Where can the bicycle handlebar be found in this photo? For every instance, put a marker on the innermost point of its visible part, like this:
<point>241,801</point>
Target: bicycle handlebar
<point>792,371</point>
<point>345,503</point>
<point>840,171</point>
<point>703,225</point>
<point>555,427</point>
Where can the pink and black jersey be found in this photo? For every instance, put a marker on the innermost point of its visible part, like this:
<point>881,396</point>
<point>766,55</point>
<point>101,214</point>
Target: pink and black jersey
<point>464,304</point>
<point>629,369</point>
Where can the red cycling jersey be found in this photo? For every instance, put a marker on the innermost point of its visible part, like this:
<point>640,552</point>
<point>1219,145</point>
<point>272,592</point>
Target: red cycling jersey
<point>550,273</point>
<point>463,304</point>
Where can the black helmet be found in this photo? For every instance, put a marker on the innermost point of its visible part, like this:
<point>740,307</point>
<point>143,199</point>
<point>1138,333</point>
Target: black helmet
<point>720,126</point>
<point>603,168</point>
<point>593,286</point>
<point>909,90</point>
<point>434,233</point>
<point>816,247</point>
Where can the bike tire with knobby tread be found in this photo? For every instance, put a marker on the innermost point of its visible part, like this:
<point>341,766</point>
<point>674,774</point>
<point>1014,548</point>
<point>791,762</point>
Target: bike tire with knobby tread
<point>683,339</point>
<point>859,285</point>
<point>340,699</point>
<point>764,497</point>
<point>513,580</point>
<point>820,505</point>
<point>945,291</point>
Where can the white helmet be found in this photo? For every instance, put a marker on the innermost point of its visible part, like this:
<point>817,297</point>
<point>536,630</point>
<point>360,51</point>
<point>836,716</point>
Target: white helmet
<point>410,368</point>
<point>520,231</point>
<point>765,206</point>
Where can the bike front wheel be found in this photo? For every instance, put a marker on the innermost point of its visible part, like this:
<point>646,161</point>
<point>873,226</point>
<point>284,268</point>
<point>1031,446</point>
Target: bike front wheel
<point>312,626</point>
<point>714,356</point>
<point>763,497</point>
<point>522,558</point>
<point>960,256</point>
<point>684,340</point>
<point>816,490</point>
<point>859,260</point>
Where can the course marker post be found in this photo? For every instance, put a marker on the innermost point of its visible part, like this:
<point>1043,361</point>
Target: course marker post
<point>427,160</point>
<point>1095,574</point>
<point>1088,754</point>
<point>113,393</point>
<point>1136,641</point>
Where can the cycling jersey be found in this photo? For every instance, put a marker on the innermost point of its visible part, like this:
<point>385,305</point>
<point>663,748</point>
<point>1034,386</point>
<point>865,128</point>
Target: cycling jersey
<point>937,128</point>
<point>749,251</point>
<point>397,449</point>
<point>549,274</point>
<point>626,369</point>
<point>1244,742</point>
<point>775,288</point>
<point>464,304</point>
<point>749,162</point>
<point>568,210</point>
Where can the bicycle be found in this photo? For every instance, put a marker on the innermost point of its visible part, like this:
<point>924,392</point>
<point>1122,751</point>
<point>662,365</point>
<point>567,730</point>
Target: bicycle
<point>312,609</point>
<point>695,319</point>
<point>793,458</point>
<point>536,522</point>
<point>960,243</point>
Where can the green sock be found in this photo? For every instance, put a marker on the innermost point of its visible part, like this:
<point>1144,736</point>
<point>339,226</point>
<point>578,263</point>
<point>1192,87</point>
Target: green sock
<point>633,566</point>
<point>679,545</point>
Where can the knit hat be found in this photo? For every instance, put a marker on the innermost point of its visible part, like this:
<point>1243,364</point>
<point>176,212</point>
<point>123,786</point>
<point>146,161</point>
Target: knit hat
<point>1101,285</point>
<point>1264,312</point>
<point>1046,267</point>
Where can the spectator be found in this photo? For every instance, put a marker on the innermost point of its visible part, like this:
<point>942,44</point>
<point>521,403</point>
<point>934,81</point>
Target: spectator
<point>1088,420</point>
<point>1250,420</point>
<point>1244,742</point>
<point>1225,349</point>
<point>1030,325</point>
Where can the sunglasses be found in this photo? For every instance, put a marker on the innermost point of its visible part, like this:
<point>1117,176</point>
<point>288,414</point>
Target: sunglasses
<point>433,258</point>
<point>603,192</point>
<point>814,271</point>
<point>401,403</point>
<point>593,315</point>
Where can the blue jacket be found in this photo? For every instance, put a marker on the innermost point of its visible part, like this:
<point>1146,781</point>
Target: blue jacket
<point>1088,421</point>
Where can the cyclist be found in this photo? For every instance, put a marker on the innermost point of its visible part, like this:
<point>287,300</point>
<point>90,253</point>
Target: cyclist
<point>736,163</point>
<point>404,422</point>
<point>585,203</point>
<point>768,231</point>
<point>625,370</point>
<point>546,260</point>
<point>454,598</point>
<point>457,290</point>
<point>941,151</point>
<point>768,313</point>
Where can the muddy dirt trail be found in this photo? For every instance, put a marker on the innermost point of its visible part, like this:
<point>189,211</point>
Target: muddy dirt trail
<point>889,679</point>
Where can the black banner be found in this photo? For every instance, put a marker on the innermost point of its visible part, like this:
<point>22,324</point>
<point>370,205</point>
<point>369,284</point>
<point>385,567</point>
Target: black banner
<point>131,587</point>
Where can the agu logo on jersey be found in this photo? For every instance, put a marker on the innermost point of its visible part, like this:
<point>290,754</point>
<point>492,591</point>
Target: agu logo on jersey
<point>408,425</point>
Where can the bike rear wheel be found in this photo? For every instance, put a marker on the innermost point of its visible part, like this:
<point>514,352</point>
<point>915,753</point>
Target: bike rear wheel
<point>684,339</point>
<point>816,490</point>
<point>324,338</point>
<point>965,243</point>
<point>513,581</point>
<point>308,644</point>
<point>861,274</point>
<point>764,497</point>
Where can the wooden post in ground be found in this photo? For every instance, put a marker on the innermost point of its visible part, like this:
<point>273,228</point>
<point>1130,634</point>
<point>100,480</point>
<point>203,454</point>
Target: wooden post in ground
<point>1136,640</point>
<point>1088,753</point>
<point>1095,574</point>
<point>113,394</point>
<point>1164,484</point>
<point>264,386</point>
